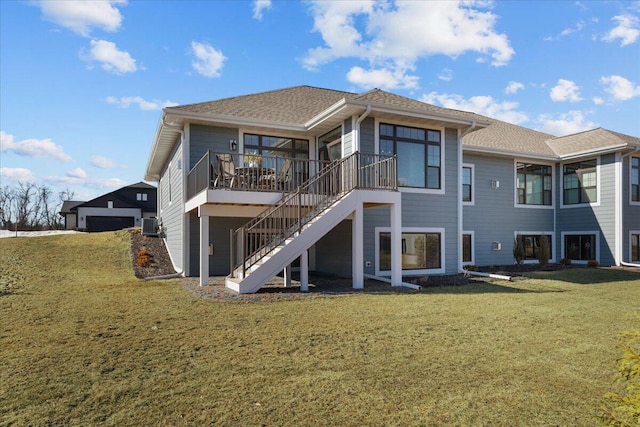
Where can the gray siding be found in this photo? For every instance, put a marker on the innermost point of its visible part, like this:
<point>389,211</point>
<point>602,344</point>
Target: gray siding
<point>424,211</point>
<point>600,218</point>
<point>333,251</point>
<point>171,206</point>
<point>630,213</point>
<point>367,135</point>
<point>203,138</point>
<point>347,140</point>
<point>219,228</point>
<point>494,217</point>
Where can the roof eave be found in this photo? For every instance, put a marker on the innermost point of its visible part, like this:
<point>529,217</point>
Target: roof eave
<point>595,151</point>
<point>508,153</point>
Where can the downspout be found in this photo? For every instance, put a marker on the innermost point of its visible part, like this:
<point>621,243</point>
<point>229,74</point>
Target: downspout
<point>360,119</point>
<point>620,236</point>
<point>460,206</point>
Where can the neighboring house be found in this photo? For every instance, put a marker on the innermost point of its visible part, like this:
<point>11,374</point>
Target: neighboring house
<point>379,184</point>
<point>119,209</point>
<point>69,215</point>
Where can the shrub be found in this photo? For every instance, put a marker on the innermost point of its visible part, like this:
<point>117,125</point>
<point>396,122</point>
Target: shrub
<point>593,263</point>
<point>622,407</point>
<point>518,249</point>
<point>144,258</point>
<point>543,250</point>
<point>565,261</point>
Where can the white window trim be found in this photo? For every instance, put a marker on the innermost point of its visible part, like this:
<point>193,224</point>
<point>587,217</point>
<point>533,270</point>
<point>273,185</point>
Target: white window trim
<point>631,233</point>
<point>422,272</point>
<point>552,236</point>
<point>473,248</point>
<point>553,180</point>
<point>598,186</point>
<point>574,233</point>
<point>631,202</point>
<point>473,184</point>
<point>441,190</point>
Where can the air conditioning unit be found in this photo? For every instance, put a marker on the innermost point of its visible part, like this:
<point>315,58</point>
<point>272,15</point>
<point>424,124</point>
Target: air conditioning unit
<point>149,226</point>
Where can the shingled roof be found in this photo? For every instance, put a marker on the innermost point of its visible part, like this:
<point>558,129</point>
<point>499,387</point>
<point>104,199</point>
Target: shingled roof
<point>591,140</point>
<point>296,104</point>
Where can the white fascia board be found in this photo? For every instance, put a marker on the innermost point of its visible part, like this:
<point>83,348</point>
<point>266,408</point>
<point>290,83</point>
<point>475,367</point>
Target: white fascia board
<point>508,153</point>
<point>149,176</point>
<point>410,112</point>
<point>326,114</point>
<point>595,152</point>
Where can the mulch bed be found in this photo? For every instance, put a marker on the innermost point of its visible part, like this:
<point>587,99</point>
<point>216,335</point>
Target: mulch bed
<point>320,285</point>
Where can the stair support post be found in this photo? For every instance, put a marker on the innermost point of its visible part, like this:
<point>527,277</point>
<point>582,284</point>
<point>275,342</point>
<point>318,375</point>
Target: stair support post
<point>287,276</point>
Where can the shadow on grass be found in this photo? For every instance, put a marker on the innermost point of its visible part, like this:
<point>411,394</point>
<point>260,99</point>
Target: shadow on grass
<point>588,276</point>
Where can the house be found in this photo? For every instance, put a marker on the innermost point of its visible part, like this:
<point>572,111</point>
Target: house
<point>116,210</point>
<point>69,215</point>
<point>382,185</point>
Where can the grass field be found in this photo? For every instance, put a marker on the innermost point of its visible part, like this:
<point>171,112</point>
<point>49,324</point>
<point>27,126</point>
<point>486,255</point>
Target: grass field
<point>83,342</point>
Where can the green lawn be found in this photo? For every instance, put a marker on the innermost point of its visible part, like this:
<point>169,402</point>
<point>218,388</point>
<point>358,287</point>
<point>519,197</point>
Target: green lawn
<point>85,343</point>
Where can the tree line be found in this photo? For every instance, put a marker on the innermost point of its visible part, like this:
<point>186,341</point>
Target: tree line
<point>31,207</point>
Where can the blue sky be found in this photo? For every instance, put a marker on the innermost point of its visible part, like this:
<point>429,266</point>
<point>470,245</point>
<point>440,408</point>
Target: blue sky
<point>82,84</point>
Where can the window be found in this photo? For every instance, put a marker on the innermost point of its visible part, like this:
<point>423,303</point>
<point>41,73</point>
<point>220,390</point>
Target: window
<point>467,248</point>
<point>635,247</point>
<point>534,184</point>
<point>110,204</point>
<point>531,245</point>
<point>580,247</point>
<point>141,197</point>
<point>467,184</point>
<point>418,151</point>
<point>420,251</point>
<point>580,182</point>
<point>635,179</point>
<point>276,146</point>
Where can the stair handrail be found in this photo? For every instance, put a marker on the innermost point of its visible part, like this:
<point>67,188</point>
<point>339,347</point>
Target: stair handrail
<point>273,226</point>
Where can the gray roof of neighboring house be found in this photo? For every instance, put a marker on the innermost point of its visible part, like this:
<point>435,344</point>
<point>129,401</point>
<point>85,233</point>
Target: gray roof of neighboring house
<point>591,140</point>
<point>68,205</point>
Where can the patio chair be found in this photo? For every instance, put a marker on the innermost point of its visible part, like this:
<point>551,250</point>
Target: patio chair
<point>226,171</point>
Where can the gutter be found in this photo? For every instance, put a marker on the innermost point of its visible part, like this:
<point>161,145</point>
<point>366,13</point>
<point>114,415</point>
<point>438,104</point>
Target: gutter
<point>363,116</point>
<point>165,276</point>
<point>491,275</point>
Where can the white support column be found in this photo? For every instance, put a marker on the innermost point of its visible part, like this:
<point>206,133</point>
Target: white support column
<point>204,250</point>
<point>304,271</point>
<point>357,248</point>
<point>287,276</point>
<point>396,245</point>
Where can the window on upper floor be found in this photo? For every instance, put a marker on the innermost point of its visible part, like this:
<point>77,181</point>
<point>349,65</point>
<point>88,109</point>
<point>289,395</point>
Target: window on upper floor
<point>110,204</point>
<point>276,146</point>
<point>534,184</point>
<point>467,184</point>
<point>419,154</point>
<point>141,197</point>
<point>635,179</point>
<point>580,182</point>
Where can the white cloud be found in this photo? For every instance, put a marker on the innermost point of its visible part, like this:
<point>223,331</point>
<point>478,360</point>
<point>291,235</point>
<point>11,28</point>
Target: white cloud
<point>105,163</point>
<point>17,174</point>
<point>259,6</point>
<point>209,61</point>
<point>96,183</point>
<point>394,35</point>
<point>513,87</point>
<point>81,16</point>
<point>77,173</point>
<point>620,88</point>
<point>382,78</point>
<point>143,104</point>
<point>566,123</point>
<point>111,59</point>
<point>565,90</point>
<point>33,147</point>
<point>597,100</point>
<point>485,105</point>
<point>627,30</point>
<point>446,75</point>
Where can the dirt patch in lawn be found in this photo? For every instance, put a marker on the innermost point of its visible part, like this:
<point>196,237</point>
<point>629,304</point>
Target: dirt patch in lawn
<point>159,260</point>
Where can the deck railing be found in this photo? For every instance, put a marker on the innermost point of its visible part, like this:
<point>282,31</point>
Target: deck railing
<point>249,172</point>
<point>267,231</point>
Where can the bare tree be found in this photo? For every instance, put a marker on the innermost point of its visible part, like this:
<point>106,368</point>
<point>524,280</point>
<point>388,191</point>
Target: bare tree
<point>28,206</point>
